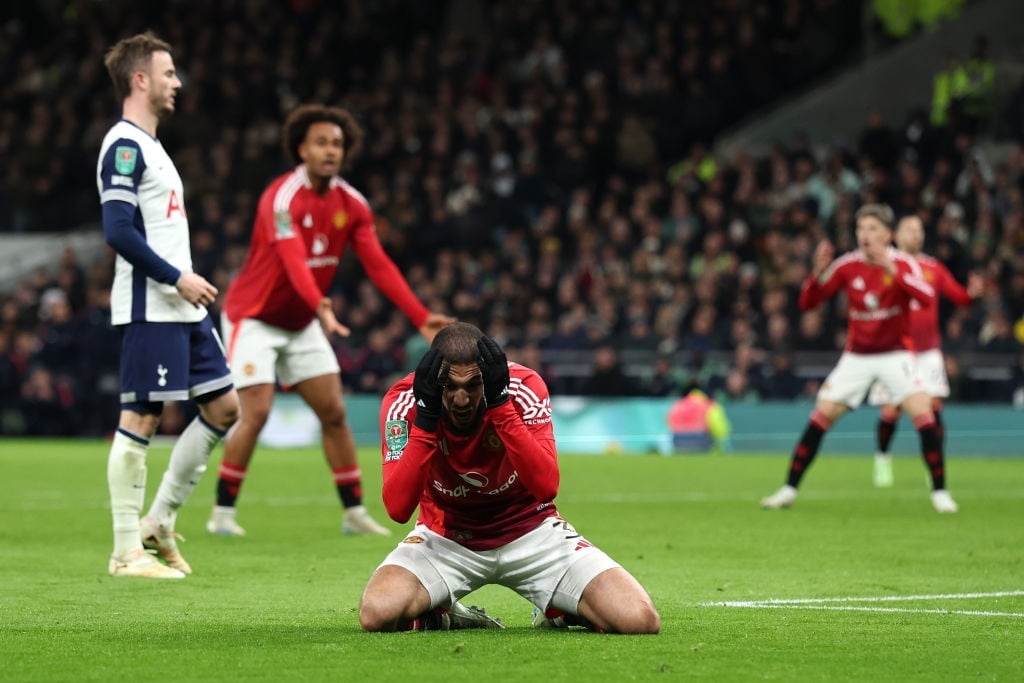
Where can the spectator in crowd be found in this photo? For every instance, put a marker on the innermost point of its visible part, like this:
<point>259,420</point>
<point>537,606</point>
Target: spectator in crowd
<point>520,158</point>
<point>607,377</point>
<point>781,382</point>
<point>47,404</point>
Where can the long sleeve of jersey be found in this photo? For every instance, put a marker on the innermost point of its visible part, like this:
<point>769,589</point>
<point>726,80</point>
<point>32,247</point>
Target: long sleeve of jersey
<point>817,289</point>
<point>949,288</point>
<point>536,459</point>
<point>915,287</point>
<point>292,252</point>
<point>385,274</point>
<point>405,478</point>
<point>120,233</point>
<point>119,197</point>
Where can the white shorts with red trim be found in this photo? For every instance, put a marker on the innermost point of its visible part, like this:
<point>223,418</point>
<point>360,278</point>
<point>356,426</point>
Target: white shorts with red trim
<point>854,374</point>
<point>931,368</point>
<point>549,566</point>
<point>259,353</point>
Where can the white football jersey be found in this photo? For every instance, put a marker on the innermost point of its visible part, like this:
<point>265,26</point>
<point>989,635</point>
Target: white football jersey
<point>133,167</point>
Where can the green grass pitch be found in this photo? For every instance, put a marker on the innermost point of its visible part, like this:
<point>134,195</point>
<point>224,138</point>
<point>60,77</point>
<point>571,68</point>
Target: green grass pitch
<point>892,591</point>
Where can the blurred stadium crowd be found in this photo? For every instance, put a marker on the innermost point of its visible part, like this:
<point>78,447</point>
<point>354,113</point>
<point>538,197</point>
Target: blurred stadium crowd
<point>551,181</point>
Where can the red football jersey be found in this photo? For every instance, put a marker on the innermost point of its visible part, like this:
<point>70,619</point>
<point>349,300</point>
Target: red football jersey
<point>482,490</point>
<point>924,320</point>
<point>297,242</point>
<point>878,303</point>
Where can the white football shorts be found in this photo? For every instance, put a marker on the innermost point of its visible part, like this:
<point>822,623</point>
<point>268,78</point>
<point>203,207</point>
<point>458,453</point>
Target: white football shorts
<point>931,368</point>
<point>259,353</point>
<point>549,566</point>
<point>855,373</point>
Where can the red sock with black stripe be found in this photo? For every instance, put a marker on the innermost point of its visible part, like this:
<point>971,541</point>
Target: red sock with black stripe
<point>229,484</point>
<point>887,421</point>
<point>931,449</point>
<point>808,446</point>
<point>349,481</point>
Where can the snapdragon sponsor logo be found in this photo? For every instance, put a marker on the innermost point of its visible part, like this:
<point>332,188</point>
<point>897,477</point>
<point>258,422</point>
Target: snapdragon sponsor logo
<point>475,479</point>
<point>321,261</point>
<point>459,491</point>
<point>504,487</point>
<point>478,481</point>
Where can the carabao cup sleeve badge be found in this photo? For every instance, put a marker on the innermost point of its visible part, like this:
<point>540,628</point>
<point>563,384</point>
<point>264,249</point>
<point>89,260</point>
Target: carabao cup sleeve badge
<point>396,435</point>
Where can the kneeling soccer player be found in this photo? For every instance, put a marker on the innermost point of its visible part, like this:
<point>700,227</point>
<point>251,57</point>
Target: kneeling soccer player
<point>468,438</point>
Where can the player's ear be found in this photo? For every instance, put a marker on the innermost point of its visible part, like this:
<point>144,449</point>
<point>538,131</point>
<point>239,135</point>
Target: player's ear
<point>139,79</point>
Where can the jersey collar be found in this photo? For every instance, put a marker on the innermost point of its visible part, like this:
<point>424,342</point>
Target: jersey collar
<point>300,171</point>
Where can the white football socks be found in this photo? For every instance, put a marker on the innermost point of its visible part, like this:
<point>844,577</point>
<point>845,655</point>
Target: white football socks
<point>126,477</point>
<point>188,462</point>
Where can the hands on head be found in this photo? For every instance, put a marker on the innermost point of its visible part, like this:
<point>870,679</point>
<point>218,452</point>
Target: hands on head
<point>494,369</point>
<point>432,376</point>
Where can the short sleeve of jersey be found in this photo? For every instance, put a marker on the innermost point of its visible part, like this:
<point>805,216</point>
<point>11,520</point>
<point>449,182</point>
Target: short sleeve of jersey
<point>121,172</point>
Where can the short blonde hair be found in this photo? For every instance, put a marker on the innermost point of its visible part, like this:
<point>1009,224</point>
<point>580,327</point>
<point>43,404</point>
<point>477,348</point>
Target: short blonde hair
<point>882,212</point>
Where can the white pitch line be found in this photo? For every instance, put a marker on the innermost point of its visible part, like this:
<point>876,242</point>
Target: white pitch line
<point>822,603</point>
<point>876,598</point>
<point>901,610</point>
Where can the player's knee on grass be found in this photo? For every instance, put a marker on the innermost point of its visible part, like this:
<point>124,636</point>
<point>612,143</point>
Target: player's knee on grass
<point>633,617</point>
<point>392,597</point>
<point>615,602</point>
<point>375,616</point>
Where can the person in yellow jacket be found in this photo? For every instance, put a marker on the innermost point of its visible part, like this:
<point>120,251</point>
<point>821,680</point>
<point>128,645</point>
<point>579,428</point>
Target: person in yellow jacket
<point>973,86</point>
<point>698,423</point>
<point>942,90</point>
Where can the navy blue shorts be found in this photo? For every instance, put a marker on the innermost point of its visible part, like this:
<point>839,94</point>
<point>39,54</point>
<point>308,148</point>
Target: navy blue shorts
<point>171,362</point>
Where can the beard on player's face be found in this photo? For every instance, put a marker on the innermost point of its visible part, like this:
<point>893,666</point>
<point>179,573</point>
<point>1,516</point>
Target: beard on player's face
<point>162,103</point>
<point>464,416</point>
<point>465,424</point>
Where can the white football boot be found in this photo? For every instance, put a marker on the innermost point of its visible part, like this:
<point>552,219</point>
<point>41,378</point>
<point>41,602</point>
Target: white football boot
<point>943,502</point>
<point>882,476</point>
<point>164,541</point>
<point>783,498</point>
<point>222,522</point>
<point>141,564</point>
<point>358,521</point>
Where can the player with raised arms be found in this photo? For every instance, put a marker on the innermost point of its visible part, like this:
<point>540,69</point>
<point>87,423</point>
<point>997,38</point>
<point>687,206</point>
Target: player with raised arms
<point>880,282</point>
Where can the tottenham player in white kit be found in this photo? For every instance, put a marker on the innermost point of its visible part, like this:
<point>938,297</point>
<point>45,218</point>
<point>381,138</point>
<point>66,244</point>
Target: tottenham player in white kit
<point>169,348</point>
